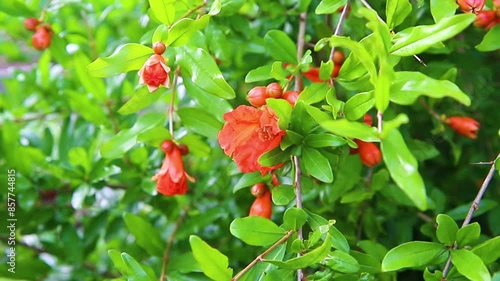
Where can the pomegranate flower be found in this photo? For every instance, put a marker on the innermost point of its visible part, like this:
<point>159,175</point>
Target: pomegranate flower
<point>171,179</point>
<point>154,73</point>
<point>464,126</point>
<point>248,133</point>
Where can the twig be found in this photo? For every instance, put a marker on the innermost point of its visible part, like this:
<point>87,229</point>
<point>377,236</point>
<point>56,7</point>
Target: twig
<point>379,121</point>
<point>178,223</point>
<point>298,191</point>
<point>474,206</point>
<point>172,100</point>
<point>261,256</point>
<point>300,49</point>
<point>90,35</point>
<point>429,109</point>
<point>338,28</point>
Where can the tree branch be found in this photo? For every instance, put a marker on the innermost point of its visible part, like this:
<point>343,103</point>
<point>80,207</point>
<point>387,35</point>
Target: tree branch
<point>166,254</point>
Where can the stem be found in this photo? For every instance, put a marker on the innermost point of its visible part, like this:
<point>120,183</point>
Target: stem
<point>44,11</point>
<point>379,121</point>
<point>90,36</point>
<point>298,199</point>
<point>338,28</point>
<point>178,223</point>
<point>261,256</point>
<point>474,206</point>
<point>172,101</point>
<point>300,49</point>
<point>429,109</point>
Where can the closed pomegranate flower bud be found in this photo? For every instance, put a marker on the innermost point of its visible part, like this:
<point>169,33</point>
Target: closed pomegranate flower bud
<point>338,57</point>
<point>167,146</point>
<point>259,189</point>
<point>464,126</point>
<point>368,120</point>
<point>41,39</point>
<point>471,6</point>
<point>184,149</point>
<point>485,19</point>
<point>31,24</point>
<point>369,153</point>
<point>262,206</point>
<point>159,48</point>
<point>154,73</point>
<point>291,97</point>
<point>275,180</point>
<point>257,96</point>
<point>274,90</point>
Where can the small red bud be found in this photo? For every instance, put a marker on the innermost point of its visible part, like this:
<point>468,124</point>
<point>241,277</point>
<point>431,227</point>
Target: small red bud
<point>259,189</point>
<point>184,149</point>
<point>338,57</point>
<point>368,119</point>
<point>369,153</point>
<point>31,24</point>
<point>159,48</point>
<point>262,206</point>
<point>485,19</point>
<point>471,6</point>
<point>291,97</point>
<point>257,96</point>
<point>274,90</point>
<point>464,126</point>
<point>167,146</point>
<point>41,39</point>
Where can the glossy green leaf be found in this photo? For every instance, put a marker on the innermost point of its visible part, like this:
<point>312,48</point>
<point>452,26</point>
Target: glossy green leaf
<point>411,254</point>
<point>260,73</point>
<point>146,236</point>
<point>301,121</point>
<point>435,276</point>
<point>366,262</point>
<point>181,32</point>
<point>307,259</point>
<point>256,231</point>
<point>274,157</point>
<point>160,34</point>
<point>351,129</point>
<point>443,8</point>
<point>280,46</point>
<point>118,262</point>
<point>141,99</point>
<point>283,194</point>
<point>422,37</point>
<point>341,262</point>
<point>490,40</point>
<point>164,10</point>
<point>128,57</point>
<point>294,218</point>
<point>213,263</point>
<point>339,240</point>
<point>73,244</point>
<point>396,11</point>
<point>230,7</point>
<point>407,86</point>
<point>218,106</point>
<point>329,6</point>
<point>403,168</point>
<point>262,270</point>
<point>326,70</point>
<point>248,179</point>
<point>470,265</point>
<point>92,85</point>
<point>395,123</point>
<point>461,211</point>
<point>200,67</point>
<point>314,93</point>
<point>282,109</point>
<point>16,8</point>
<point>446,230</point>
<point>484,251</point>
<point>138,272</point>
<point>373,249</point>
<point>317,165</point>
<point>324,140</point>
<point>358,105</point>
<point>200,121</point>
<point>422,150</point>
<point>383,85</point>
<point>468,234</point>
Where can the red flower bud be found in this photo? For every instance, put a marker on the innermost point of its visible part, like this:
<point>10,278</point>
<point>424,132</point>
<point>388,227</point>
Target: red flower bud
<point>257,96</point>
<point>31,24</point>
<point>41,39</point>
<point>274,90</point>
<point>259,189</point>
<point>167,146</point>
<point>369,153</point>
<point>184,149</point>
<point>368,119</point>
<point>159,48</point>
<point>275,180</point>
<point>338,57</point>
<point>464,126</point>
<point>291,97</point>
<point>262,206</point>
<point>154,73</point>
<point>485,19</point>
<point>471,6</point>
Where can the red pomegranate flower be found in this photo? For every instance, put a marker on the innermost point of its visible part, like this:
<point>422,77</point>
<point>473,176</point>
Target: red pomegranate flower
<point>171,179</point>
<point>248,133</point>
<point>464,126</point>
<point>154,73</point>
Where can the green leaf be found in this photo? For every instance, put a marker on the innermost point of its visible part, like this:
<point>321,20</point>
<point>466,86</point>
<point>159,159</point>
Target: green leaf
<point>341,262</point>
<point>407,86</point>
<point>140,100</point>
<point>324,140</point>
<point>443,8</point>
<point>326,70</point>
<point>256,231</point>
<point>307,259</point>
<point>366,262</point>
<point>164,10</point>
<point>200,67</point>
<point>490,40</point>
<point>213,263</point>
<point>72,244</point>
<point>422,37</point>
<point>435,276</point>
<point>280,46</point>
<point>128,57</point>
<point>16,8</point>
<point>461,211</point>
<point>395,123</point>
<point>248,179</point>
<point>260,73</point>
<point>301,121</point>
<point>181,32</point>
<point>396,12</point>
<point>314,93</point>
<point>146,236</point>
<point>403,168</point>
<point>484,251</point>
<point>283,194</point>
<point>160,34</point>
<point>468,234</point>
<point>218,106</point>
<point>329,6</point>
<point>138,272</point>
<point>470,265</point>
<point>274,157</point>
<point>339,240</point>
<point>294,218</point>
<point>358,105</point>
<point>317,165</point>
<point>119,263</point>
<point>446,230</point>
<point>383,85</point>
<point>351,129</point>
<point>412,254</point>
<point>282,109</point>
<point>373,249</point>
<point>200,121</point>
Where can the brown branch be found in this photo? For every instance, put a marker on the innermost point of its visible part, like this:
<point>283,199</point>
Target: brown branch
<point>429,109</point>
<point>172,100</point>
<point>170,242</point>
